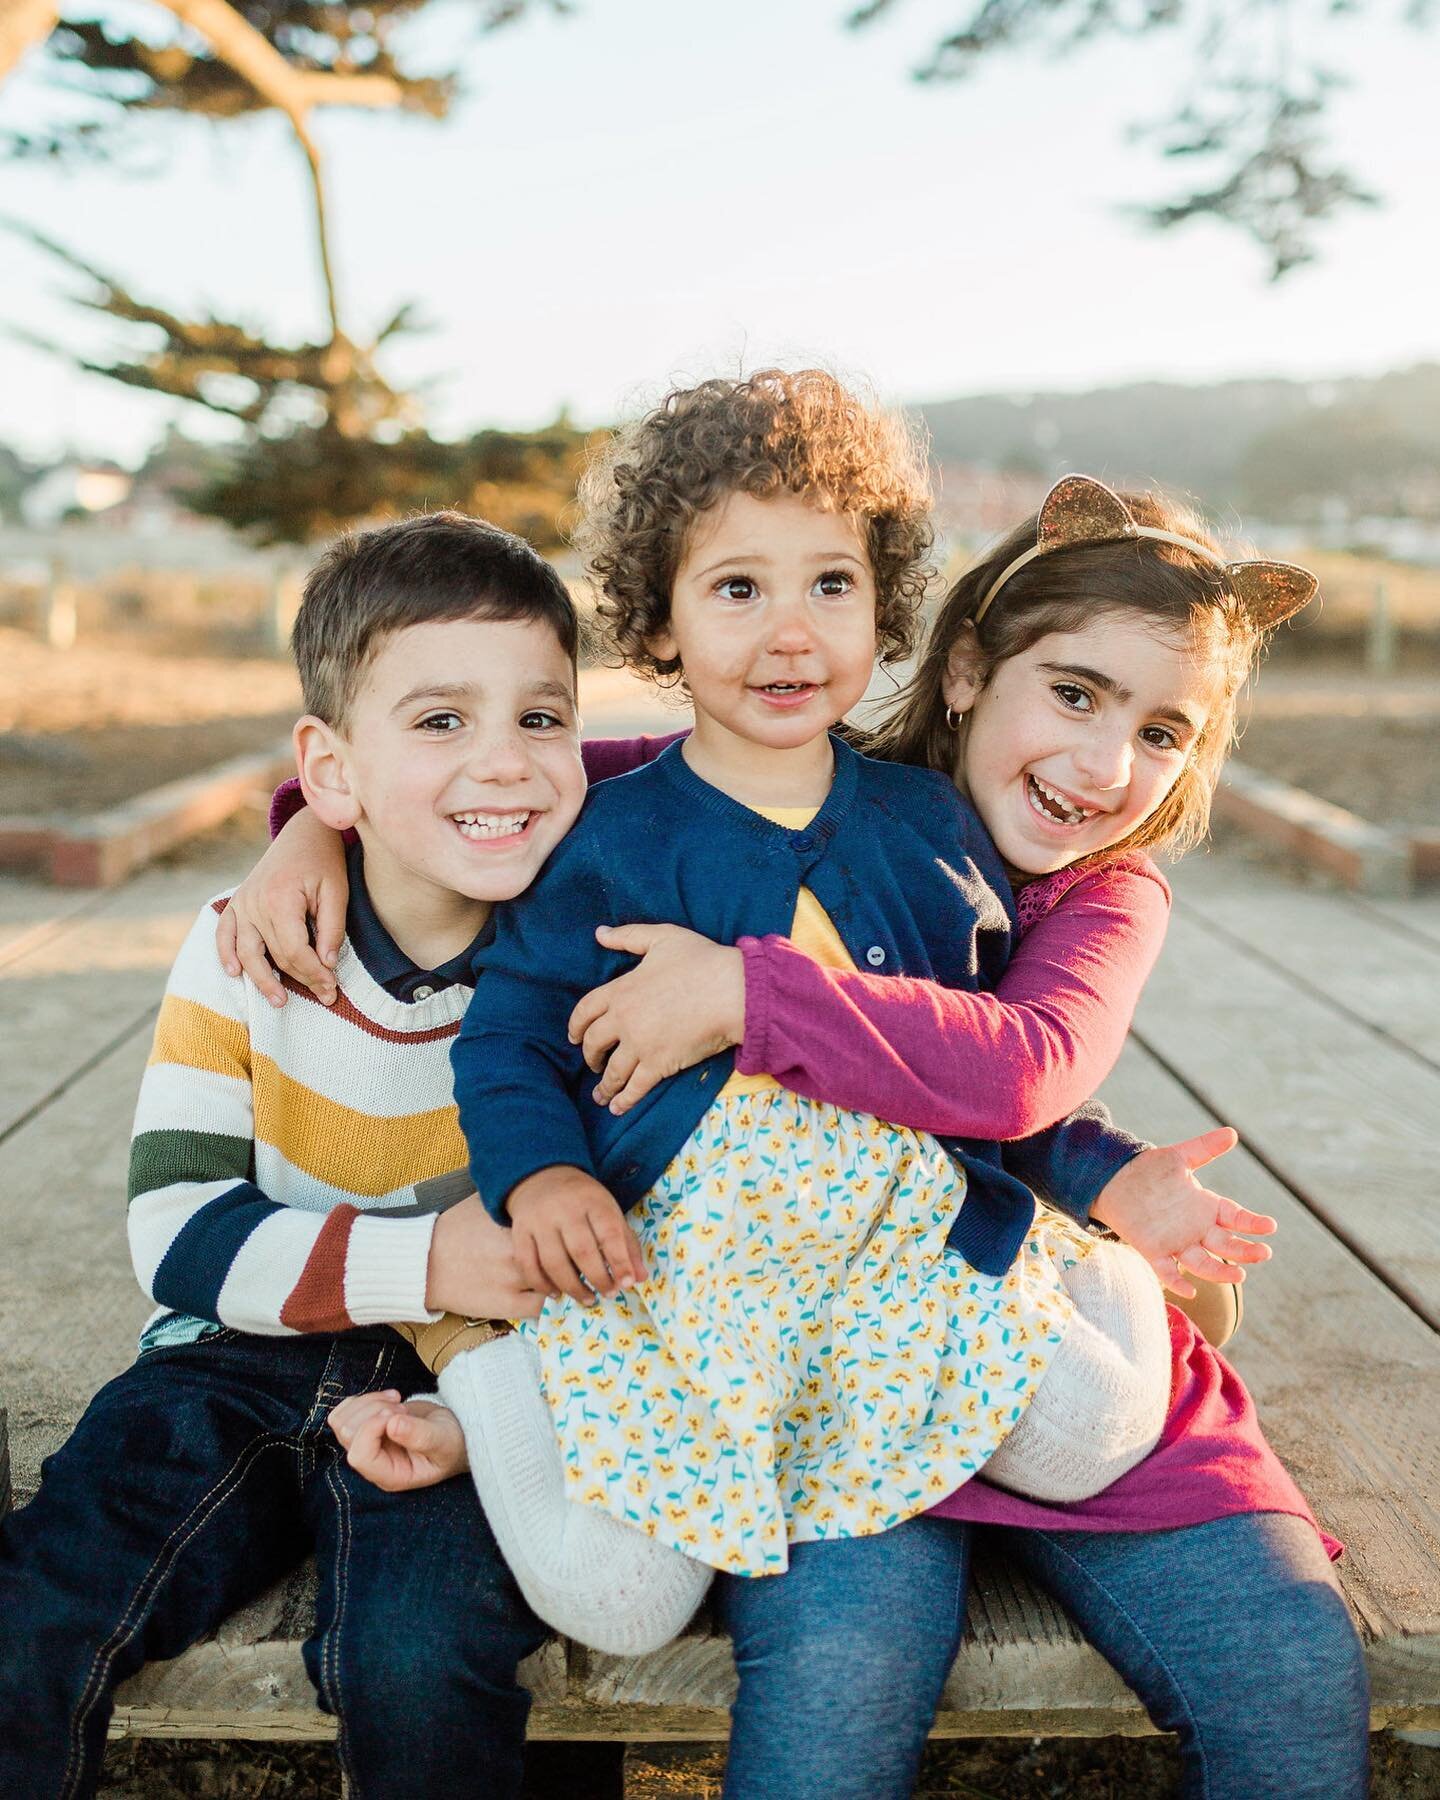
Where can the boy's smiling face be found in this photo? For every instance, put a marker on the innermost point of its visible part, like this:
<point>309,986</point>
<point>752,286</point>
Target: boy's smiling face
<point>459,762</point>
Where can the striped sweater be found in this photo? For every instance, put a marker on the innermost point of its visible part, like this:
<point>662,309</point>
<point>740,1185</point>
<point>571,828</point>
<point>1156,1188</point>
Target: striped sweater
<point>287,1162</point>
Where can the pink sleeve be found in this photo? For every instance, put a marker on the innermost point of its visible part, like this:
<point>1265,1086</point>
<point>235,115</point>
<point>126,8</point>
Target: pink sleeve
<point>285,802</point>
<point>992,1066</point>
<point>603,758</point>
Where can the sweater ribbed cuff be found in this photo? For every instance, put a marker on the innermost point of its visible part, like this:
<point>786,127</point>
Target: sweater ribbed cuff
<point>752,1054</point>
<point>386,1266</point>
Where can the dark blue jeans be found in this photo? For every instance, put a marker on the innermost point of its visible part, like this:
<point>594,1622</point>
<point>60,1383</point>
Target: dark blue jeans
<point>843,1658</point>
<point>192,1482</point>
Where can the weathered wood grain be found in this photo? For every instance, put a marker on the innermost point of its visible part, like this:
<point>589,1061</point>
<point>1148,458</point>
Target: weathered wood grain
<point>31,910</point>
<point>1349,1118</point>
<point>70,1308</point>
<point>1420,915</point>
<point>1347,1379</point>
<point>1331,945</point>
<point>93,977</point>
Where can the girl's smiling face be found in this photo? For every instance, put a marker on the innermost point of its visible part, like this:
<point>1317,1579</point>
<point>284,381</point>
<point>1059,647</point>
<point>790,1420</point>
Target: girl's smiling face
<point>772,619</point>
<point>1073,743</point>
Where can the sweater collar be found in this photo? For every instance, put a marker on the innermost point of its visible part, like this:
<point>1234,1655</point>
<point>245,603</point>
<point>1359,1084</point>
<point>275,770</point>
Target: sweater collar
<point>839,802</point>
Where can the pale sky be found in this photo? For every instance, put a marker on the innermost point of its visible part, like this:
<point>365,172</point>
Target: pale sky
<point>651,189</point>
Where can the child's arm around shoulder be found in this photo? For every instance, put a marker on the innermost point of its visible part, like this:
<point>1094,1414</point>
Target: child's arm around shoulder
<point>999,1065</point>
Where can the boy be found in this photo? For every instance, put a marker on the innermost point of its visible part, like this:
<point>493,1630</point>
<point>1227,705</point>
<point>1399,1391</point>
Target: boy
<point>287,1172</point>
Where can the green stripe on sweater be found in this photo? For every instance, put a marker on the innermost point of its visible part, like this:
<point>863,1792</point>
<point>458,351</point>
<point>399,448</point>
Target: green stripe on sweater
<point>160,1158</point>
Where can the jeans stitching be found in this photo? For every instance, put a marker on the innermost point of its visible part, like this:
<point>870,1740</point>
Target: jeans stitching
<point>1123,1612</point>
<point>330,1642</point>
<point>101,1663</point>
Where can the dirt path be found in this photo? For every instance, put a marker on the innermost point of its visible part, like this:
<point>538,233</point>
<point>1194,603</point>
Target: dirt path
<point>85,728</point>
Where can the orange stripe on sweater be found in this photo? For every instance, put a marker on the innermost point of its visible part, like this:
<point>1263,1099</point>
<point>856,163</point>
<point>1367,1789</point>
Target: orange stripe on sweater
<point>317,1300</point>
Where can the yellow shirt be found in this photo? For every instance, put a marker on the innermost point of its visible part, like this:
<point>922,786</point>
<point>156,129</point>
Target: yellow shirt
<point>811,931</point>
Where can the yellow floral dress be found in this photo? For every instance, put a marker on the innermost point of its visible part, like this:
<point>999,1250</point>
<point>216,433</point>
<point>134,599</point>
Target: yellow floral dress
<point>805,1359</point>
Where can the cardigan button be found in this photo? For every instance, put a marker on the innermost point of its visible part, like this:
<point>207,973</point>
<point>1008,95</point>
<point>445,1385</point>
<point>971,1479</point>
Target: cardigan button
<point>875,956</point>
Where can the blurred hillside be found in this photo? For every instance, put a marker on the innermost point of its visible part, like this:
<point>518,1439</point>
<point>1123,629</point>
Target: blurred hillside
<point>1349,464</point>
<point>1319,453</point>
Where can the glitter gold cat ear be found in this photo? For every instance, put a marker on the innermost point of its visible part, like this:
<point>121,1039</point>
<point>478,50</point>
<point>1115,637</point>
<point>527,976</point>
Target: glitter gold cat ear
<point>1079,510</point>
<point>1271,592</point>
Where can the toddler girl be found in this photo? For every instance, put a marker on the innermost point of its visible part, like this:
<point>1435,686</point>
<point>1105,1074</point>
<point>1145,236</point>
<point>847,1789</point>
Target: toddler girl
<point>801,1361</point>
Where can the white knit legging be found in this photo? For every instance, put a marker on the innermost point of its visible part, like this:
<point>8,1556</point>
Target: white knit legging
<point>1102,1403</point>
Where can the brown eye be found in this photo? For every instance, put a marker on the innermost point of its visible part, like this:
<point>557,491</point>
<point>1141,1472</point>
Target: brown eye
<point>737,587</point>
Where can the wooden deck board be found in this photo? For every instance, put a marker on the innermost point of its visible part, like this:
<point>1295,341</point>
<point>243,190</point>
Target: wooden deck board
<point>92,977</point>
<point>1347,1372</point>
<point>1347,1380</point>
<point>1347,1116</point>
<point>1419,915</point>
<point>1366,964</point>
<point>30,910</point>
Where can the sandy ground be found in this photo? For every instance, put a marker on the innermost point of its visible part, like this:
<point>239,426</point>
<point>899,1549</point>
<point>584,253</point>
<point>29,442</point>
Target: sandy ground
<point>84,728</point>
<point>1384,769</point>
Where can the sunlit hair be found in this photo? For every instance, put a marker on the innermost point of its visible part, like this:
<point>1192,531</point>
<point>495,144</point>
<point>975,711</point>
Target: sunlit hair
<point>1160,586</point>
<point>772,433</point>
<point>434,567</point>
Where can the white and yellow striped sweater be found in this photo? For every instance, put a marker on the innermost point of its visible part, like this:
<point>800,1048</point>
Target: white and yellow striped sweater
<point>287,1161</point>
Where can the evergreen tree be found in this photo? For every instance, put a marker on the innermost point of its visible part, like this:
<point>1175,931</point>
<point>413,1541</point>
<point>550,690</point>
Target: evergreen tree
<point>1251,109</point>
<point>326,438</point>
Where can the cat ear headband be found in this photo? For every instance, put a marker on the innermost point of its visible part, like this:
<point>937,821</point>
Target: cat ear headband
<point>1079,510</point>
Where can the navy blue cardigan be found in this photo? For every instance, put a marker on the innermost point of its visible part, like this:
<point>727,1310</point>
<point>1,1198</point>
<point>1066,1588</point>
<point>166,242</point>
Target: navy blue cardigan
<point>910,880</point>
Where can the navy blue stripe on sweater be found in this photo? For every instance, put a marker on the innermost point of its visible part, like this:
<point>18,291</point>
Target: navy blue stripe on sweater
<point>193,1270</point>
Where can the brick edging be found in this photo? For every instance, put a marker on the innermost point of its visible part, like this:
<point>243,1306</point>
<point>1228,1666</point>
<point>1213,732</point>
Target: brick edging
<point>106,847</point>
<point>1372,859</point>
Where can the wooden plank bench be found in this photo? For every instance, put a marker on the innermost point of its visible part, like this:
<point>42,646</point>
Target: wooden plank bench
<point>1306,1018</point>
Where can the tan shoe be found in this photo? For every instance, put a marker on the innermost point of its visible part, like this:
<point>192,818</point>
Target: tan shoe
<point>1215,1312</point>
<point>443,1339</point>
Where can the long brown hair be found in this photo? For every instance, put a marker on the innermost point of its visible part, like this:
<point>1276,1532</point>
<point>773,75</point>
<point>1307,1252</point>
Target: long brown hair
<point>1166,586</point>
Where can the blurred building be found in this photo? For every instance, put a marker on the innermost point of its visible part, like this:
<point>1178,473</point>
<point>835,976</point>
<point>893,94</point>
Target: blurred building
<point>74,490</point>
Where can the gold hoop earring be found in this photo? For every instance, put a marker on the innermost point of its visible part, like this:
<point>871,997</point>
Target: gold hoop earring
<point>952,718</point>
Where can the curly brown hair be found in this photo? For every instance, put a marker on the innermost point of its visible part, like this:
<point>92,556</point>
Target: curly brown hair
<point>1063,591</point>
<point>773,432</point>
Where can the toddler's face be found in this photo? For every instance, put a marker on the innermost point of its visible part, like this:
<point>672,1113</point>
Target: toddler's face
<point>1076,741</point>
<point>463,751</point>
<point>772,616</point>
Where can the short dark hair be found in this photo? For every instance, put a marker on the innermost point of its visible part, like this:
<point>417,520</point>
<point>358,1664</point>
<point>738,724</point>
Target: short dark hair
<point>435,566</point>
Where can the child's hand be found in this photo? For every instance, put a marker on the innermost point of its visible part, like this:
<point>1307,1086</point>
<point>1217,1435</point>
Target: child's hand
<point>398,1444</point>
<point>1183,1231</point>
<point>683,1002</point>
<point>301,876</point>
<point>473,1269</point>
<point>570,1237</point>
